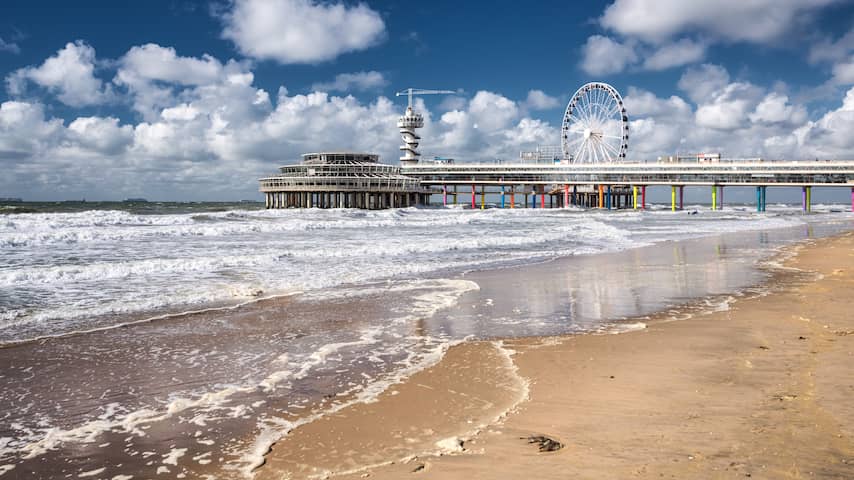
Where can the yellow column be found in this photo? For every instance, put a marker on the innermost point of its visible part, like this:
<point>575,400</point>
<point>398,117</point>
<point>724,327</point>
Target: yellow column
<point>635,197</point>
<point>482,197</point>
<point>601,196</point>
<point>714,197</point>
<point>672,198</point>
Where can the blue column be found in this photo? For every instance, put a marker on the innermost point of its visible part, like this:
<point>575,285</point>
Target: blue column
<point>608,198</point>
<point>575,195</point>
<point>534,199</point>
<point>502,196</point>
<point>758,199</point>
<point>764,200</point>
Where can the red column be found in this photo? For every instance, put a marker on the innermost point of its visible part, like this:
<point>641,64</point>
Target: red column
<point>543,196</point>
<point>473,205</point>
<point>566,196</point>
<point>643,197</point>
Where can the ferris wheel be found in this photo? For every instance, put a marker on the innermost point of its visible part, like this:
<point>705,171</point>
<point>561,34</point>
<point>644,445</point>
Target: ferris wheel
<point>595,126</point>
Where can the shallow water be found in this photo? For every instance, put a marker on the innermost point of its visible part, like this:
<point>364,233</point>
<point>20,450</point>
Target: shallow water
<point>383,294</point>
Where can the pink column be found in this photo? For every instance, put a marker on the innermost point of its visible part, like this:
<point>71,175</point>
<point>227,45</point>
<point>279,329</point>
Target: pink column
<point>473,205</point>
<point>444,195</point>
<point>566,196</point>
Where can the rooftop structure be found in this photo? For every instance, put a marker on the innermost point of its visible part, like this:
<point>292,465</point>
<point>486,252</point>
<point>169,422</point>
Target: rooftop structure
<point>341,180</point>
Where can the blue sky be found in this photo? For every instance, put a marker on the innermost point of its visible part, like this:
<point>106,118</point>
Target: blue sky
<point>196,100</point>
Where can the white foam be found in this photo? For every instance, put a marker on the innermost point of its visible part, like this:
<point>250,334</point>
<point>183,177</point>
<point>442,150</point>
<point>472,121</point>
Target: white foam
<point>92,473</point>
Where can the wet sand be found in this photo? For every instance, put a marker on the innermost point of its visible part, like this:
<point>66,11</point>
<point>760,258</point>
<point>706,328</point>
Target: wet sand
<point>760,390</point>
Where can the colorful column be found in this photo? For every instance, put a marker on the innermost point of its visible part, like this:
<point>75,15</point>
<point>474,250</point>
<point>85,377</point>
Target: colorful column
<point>764,199</point>
<point>608,198</point>
<point>473,204</point>
<point>534,197</point>
<point>512,196</point>
<point>601,196</point>
<point>672,198</point>
<point>714,197</point>
<point>482,197</point>
<point>681,197</point>
<point>635,198</point>
<point>566,196</point>
<point>444,195</point>
<point>542,196</point>
<point>758,199</point>
<point>502,196</point>
<point>643,197</point>
<point>455,194</point>
<point>721,199</point>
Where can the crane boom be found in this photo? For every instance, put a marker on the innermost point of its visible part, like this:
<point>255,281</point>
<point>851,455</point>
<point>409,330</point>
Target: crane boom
<point>409,92</point>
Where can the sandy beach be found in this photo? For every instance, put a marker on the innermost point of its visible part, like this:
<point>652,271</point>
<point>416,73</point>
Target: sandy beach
<point>762,390</point>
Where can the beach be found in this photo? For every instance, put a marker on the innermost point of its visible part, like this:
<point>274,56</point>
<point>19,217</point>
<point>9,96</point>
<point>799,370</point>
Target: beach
<point>760,389</point>
<point>307,344</point>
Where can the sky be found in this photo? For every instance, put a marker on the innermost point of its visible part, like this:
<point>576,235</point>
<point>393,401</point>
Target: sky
<point>175,100</point>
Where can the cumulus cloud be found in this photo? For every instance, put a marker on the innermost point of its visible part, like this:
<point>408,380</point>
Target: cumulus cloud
<point>602,55</point>
<point>775,109</point>
<point>539,100</point>
<point>359,81</point>
<point>70,75</point>
<point>756,21</point>
<point>700,83</point>
<point>675,54</point>
<point>301,31</point>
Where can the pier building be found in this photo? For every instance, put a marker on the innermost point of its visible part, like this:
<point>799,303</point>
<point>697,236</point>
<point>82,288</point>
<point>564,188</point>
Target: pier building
<point>341,180</point>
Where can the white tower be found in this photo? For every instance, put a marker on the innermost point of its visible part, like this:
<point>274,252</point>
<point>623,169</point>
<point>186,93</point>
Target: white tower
<point>407,125</point>
<point>409,122</point>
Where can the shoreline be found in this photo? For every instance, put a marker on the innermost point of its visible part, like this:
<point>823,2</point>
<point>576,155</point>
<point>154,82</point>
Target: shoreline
<point>638,403</point>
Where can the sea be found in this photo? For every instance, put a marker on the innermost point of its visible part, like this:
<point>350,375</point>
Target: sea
<point>184,339</point>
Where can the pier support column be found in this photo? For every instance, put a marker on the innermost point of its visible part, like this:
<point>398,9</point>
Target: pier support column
<point>482,197</point>
<point>608,198</point>
<point>672,198</point>
<point>643,197</point>
<point>721,199</point>
<point>764,198</point>
<point>852,199</point>
<point>758,199</point>
<point>565,196</point>
<point>681,197</point>
<point>542,189</point>
<point>513,196</point>
<point>601,196</point>
<point>807,196</point>
<point>575,195</point>
<point>444,195</point>
<point>455,194</point>
<point>635,198</point>
<point>472,196</point>
<point>502,196</point>
<point>534,197</point>
<point>714,197</point>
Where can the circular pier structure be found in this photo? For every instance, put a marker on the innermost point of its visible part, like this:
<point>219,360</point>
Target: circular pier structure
<point>342,180</point>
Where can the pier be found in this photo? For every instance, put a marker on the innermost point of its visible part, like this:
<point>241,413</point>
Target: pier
<point>624,185</point>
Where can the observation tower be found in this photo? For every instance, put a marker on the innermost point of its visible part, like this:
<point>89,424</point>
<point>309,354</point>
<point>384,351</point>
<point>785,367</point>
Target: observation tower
<point>409,122</point>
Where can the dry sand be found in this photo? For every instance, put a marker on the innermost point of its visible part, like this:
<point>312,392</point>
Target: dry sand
<point>762,390</point>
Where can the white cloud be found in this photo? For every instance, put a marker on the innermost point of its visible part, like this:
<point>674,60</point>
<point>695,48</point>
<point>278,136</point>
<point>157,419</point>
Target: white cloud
<point>155,76</point>
<point>702,82</point>
<point>843,72</point>
<point>539,100</point>
<point>757,21</point>
<point>102,135</point>
<point>70,74</point>
<point>301,31</point>
<point>775,108</point>
<point>729,108</point>
<point>491,111</point>
<point>360,81</point>
<point>603,56</point>
<point>10,47</point>
<point>675,54</point>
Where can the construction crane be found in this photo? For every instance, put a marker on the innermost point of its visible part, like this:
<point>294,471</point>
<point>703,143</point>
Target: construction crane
<point>409,92</point>
<point>409,122</point>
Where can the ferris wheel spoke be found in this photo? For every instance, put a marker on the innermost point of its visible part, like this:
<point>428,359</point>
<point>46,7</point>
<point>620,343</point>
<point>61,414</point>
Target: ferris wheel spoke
<point>578,153</point>
<point>611,149</point>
